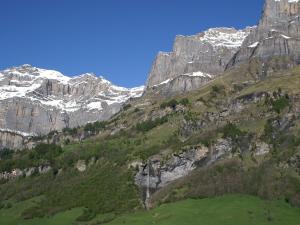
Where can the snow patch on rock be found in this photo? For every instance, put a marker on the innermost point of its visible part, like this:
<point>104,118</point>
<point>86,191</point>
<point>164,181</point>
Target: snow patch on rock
<point>24,82</point>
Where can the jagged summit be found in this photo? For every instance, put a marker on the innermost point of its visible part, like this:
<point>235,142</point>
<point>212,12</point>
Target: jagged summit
<point>205,54</point>
<point>52,101</point>
<point>211,52</point>
<point>224,37</point>
<point>277,34</point>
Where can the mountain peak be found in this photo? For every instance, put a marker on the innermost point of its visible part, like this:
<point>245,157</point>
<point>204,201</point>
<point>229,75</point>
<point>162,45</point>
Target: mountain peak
<point>277,34</point>
<point>225,37</point>
<point>206,53</point>
<point>69,102</point>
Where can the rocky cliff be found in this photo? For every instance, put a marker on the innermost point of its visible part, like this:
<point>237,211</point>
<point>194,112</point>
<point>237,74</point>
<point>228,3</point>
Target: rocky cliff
<point>277,34</point>
<point>195,59</point>
<point>35,101</point>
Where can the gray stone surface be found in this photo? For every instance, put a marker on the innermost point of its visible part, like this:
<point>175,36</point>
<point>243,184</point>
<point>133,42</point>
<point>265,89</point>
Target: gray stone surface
<point>277,34</point>
<point>195,59</point>
<point>35,101</point>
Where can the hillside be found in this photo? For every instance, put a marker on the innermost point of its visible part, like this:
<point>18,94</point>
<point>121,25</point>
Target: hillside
<point>225,210</point>
<point>218,145</point>
<point>243,139</point>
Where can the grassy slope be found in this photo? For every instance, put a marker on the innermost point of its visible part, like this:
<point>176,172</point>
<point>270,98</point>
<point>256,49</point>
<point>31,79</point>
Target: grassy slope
<point>12,215</point>
<point>93,188</point>
<point>226,210</point>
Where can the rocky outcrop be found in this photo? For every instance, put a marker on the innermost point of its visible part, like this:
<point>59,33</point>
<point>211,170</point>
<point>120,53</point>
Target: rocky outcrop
<point>156,174</point>
<point>14,140</point>
<point>277,34</point>
<point>80,165</point>
<point>195,59</point>
<point>180,84</point>
<point>15,173</point>
<point>35,101</point>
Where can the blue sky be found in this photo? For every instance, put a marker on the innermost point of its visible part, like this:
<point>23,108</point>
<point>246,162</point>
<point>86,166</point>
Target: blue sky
<point>114,38</point>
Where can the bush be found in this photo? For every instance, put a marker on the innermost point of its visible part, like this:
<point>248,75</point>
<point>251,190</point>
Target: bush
<point>33,212</point>
<point>150,124</point>
<point>87,215</point>
<point>45,152</point>
<point>136,110</point>
<point>172,104</point>
<point>7,165</point>
<point>145,153</point>
<point>8,205</point>
<point>67,141</point>
<point>126,107</point>
<point>6,154</point>
<point>217,89</point>
<point>280,104</point>
<point>71,131</point>
<point>184,102</point>
<point>52,133</point>
<point>95,127</point>
<point>231,131</point>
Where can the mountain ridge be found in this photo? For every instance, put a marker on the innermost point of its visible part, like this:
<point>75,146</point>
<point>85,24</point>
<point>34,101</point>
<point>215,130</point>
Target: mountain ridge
<point>32,92</point>
<point>196,134</point>
<point>187,50</point>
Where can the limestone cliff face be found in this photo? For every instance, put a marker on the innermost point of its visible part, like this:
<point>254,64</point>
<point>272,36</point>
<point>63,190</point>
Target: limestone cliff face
<point>14,140</point>
<point>204,55</point>
<point>35,101</point>
<point>277,34</point>
<point>179,85</point>
<point>210,53</point>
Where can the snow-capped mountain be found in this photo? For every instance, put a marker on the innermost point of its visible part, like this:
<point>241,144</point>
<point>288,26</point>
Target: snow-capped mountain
<point>224,37</point>
<point>195,59</point>
<point>35,101</point>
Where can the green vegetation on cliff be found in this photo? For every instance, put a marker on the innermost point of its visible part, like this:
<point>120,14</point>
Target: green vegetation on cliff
<point>92,178</point>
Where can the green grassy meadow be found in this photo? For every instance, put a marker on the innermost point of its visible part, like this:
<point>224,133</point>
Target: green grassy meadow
<point>225,210</point>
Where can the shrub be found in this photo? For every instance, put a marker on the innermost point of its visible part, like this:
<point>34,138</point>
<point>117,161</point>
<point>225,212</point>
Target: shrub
<point>7,165</point>
<point>32,212</point>
<point>95,127</point>
<point>8,205</point>
<point>217,89</point>
<point>144,154</point>
<point>126,107</point>
<point>280,104</point>
<point>206,142</point>
<point>136,110</point>
<point>67,141</point>
<point>45,152</point>
<point>172,104</point>
<point>150,124</point>
<point>87,215</point>
<point>71,131</point>
<point>52,133</point>
<point>184,102</point>
<point>231,131</point>
<point>6,154</point>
